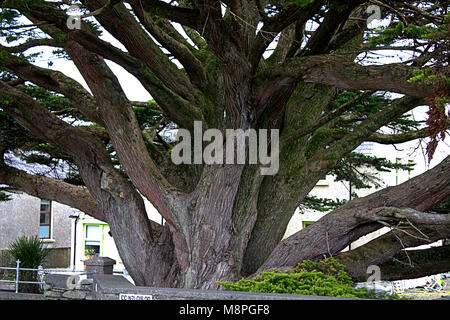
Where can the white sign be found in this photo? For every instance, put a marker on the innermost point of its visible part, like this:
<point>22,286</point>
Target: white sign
<point>127,296</point>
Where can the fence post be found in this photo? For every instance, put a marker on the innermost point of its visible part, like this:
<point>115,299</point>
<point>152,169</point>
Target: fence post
<point>40,275</point>
<point>17,275</point>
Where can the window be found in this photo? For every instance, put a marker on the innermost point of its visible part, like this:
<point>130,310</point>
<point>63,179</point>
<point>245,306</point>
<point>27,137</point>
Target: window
<point>45,219</point>
<point>306,223</point>
<point>92,239</point>
<point>323,181</point>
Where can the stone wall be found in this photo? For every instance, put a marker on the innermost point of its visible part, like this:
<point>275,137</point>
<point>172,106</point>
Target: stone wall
<point>67,287</point>
<point>101,284</point>
<point>57,258</point>
<point>113,287</point>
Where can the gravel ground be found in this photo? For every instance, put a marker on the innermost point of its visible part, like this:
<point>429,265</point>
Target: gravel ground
<point>421,294</point>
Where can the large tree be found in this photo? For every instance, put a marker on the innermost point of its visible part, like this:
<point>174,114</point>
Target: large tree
<point>303,67</point>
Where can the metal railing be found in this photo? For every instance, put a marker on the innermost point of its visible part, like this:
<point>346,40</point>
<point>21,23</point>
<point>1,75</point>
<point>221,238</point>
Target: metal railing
<point>40,273</point>
<point>39,270</point>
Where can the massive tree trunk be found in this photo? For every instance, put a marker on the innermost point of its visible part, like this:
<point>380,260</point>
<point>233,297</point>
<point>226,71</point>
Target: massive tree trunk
<point>222,221</point>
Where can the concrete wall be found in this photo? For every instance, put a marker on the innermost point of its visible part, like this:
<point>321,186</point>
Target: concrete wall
<point>61,287</point>
<point>110,287</point>
<point>20,217</point>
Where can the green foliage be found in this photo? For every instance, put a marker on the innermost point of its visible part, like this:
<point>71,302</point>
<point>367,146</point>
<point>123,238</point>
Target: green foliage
<point>147,116</point>
<point>387,35</point>
<point>302,3</point>
<point>369,105</point>
<point>56,103</point>
<point>423,76</point>
<point>404,124</point>
<point>322,204</point>
<point>349,169</point>
<point>324,278</point>
<point>31,253</point>
<point>29,250</point>
<point>5,196</point>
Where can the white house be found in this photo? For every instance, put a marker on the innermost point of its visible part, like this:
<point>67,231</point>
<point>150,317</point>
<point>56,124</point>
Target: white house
<point>25,215</point>
<point>90,236</point>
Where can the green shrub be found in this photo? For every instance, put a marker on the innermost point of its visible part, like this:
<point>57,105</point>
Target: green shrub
<point>31,252</point>
<point>324,278</point>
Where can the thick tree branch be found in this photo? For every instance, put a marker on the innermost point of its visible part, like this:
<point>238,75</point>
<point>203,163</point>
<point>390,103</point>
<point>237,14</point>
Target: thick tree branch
<point>390,245</point>
<point>180,50</point>
<point>393,214</point>
<point>395,138</point>
<point>337,229</point>
<point>334,19</point>
<point>124,27</point>
<point>290,14</point>
<point>331,70</point>
<point>128,142</point>
<point>177,108</point>
<point>34,43</point>
<point>54,81</point>
<point>425,262</point>
<point>52,189</point>
<point>184,16</point>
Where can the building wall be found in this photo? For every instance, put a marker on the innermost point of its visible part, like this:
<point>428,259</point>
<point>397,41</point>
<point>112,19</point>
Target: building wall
<point>61,225</point>
<point>108,247</point>
<point>20,216</point>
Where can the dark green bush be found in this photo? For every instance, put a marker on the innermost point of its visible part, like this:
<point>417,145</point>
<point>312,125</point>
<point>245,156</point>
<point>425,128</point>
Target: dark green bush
<point>324,278</point>
<point>31,252</point>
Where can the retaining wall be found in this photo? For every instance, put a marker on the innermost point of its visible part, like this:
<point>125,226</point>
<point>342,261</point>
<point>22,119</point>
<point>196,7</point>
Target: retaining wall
<point>114,287</point>
<point>67,287</point>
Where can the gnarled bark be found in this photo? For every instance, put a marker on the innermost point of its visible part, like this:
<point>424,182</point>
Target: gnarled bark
<point>390,247</point>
